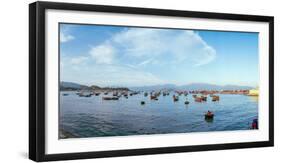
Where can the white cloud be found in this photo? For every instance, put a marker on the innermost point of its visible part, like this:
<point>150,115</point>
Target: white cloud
<point>78,60</point>
<point>145,62</point>
<point>164,46</point>
<point>103,54</point>
<point>140,42</point>
<point>208,53</point>
<point>65,37</point>
<point>126,57</point>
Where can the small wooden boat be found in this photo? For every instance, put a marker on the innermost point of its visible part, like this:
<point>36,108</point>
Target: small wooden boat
<point>198,99</point>
<point>175,98</point>
<point>186,102</point>
<point>110,98</point>
<point>88,95</point>
<point>204,98</point>
<point>153,97</point>
<point>85,95</point>
<point>142,102</point>
<point>209,115</point>
<point>215,98</point>
<point>255,124</point>
<point>65,94</point>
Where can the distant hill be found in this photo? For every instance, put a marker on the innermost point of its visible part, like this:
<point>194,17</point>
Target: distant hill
<point>68,86</point>
<point>235,87</point>
<point>193,86</point>
<point>205,86</point>
<point>95,87</point>
<point>72,86</point>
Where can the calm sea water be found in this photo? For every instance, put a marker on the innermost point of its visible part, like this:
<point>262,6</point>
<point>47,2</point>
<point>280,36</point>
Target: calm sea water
<point>94,117</point>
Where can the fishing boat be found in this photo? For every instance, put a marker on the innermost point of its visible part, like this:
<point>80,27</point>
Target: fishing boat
<point>215,98</point>
<point>65,94</point>
<point>175,98</point>
<point>153,97</point>
<point>85,95</point>
<point>198,99</point>
<point>142,102</point>
<point>255,124</point>
<point>209,115</point>
<point>110,98</point>
<point>115,94</point>
<point>204,98</point>
<point>186,102</point>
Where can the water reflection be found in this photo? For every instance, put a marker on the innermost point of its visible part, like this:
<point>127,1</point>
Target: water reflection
<point>254,98</point>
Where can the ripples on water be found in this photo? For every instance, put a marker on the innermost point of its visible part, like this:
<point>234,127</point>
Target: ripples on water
<point>94,117</point>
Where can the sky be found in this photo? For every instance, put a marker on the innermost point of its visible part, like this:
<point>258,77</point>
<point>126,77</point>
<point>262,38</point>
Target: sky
<point>132,56</point>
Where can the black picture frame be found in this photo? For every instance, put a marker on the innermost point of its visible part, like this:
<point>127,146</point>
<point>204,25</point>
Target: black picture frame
<point>37,80</point>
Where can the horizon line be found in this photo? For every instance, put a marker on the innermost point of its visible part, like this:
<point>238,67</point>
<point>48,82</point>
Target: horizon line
<point>177,85</point>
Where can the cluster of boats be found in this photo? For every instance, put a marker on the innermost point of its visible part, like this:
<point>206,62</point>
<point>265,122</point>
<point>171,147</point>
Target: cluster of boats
<point>203,98</point>
<point>154,96</point>
<point>115,94</point>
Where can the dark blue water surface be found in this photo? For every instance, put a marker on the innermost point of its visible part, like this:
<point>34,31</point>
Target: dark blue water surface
<point>94,117</point>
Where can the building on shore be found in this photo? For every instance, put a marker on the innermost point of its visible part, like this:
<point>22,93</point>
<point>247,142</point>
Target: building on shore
<point>254,92</point>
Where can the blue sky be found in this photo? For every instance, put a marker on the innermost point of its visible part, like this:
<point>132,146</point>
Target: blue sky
<point>129,56</point>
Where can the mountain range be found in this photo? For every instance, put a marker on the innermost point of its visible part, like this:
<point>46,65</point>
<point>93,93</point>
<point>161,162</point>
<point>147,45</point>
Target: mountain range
<point>71,86</point>
<point>193,86</point>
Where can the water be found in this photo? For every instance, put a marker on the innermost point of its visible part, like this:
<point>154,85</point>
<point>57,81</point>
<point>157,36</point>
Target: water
<point>94,117</point>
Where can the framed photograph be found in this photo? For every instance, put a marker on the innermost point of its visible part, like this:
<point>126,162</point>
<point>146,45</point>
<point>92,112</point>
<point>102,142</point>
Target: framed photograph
<point>111,81</point>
